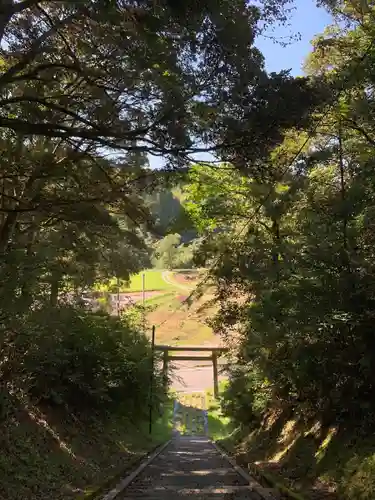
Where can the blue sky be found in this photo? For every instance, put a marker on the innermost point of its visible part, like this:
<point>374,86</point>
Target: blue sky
<point>307,20</point>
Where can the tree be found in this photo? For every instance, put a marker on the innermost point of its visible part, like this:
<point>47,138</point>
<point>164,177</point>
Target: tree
<point>150,100</point>
<point>294,282</point>
<point>89,89</point>
<point>167,251</point>
<point>67,88</point>
<point>164,207</point>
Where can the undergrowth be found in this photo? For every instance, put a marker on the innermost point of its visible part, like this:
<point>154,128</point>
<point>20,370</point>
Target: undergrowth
<point>74,401</point>
<point>334,463</point>
<point>53,454</point>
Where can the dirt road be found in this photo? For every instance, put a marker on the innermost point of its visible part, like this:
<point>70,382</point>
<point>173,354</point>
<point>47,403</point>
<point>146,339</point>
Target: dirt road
<point>192,376</point>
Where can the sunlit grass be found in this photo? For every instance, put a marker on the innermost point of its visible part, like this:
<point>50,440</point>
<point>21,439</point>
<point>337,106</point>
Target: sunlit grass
<point>190,415</point>
<point>153,281</point>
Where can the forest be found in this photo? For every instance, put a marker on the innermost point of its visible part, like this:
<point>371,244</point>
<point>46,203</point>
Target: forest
<point>282,219</point>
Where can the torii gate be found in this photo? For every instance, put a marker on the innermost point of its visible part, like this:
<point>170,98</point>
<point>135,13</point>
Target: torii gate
<point>215,353</point>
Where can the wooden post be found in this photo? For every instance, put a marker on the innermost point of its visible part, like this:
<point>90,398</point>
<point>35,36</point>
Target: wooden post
<point>151,397</point>
<point>165,370</point>
<point>118,296</point>
<point>143,302</point>
<point>214,366</point>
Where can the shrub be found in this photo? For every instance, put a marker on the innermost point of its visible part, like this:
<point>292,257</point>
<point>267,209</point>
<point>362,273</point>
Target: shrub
<point>86,361</point>
<point>247,395</point>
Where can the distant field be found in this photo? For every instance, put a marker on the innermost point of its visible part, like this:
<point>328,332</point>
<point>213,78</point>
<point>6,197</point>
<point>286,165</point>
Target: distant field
<point>153,281</point>
<point>180,324</point>
<point>176,323</point>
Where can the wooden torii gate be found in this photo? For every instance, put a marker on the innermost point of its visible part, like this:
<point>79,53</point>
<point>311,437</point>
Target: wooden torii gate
<point>215,353</point>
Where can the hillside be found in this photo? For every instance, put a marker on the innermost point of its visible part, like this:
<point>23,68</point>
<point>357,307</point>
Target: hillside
<point>54,454</point>
<point>306,461</point>
<point>77,412</point>
<point>166,291</point>
<point>178,323</point>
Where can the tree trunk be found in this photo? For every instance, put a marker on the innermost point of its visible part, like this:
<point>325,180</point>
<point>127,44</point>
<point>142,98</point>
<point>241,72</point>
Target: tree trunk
<point>276,245</point>
<point>6,11</point>
<point>32,188</point>
<point>54,291</point>
<point>26,289</point>
<point>7,229</point>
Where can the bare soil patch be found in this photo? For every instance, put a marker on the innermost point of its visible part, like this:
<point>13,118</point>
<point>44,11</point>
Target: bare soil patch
<point>186,278</point>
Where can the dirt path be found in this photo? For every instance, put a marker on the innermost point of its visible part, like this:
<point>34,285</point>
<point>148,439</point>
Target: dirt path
<point>166,275</point>
<point>191,377</point>
<point>190,467</point>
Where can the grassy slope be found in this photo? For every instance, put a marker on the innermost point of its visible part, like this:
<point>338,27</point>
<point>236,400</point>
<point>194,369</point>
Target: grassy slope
<point>153,281</point>
<point>316,463</point>
<point>219,426</point>
<point>184,326</point>
<point>46,456</point>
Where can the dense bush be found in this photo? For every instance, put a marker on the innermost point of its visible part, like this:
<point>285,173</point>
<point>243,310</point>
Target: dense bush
<point>247,396</point>
<point>72,357</point>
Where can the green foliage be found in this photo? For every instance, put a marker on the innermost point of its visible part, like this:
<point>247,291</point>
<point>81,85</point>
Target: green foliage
<point>170,254</point>
<point>78,122</point>
<point>71,213</point>
<point>167,251</point>
<point>153,280</point>
<point>247,397</point>
<point>291,244</point>
<point>216,196</point>
<point>165,208</point>
<point>295,280</point>
<point>304,316</point>
<point>180,98</point>
<point>185,257</point>
<point>72,358</point>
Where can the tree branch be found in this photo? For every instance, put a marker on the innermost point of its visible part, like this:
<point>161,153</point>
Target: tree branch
<point>55,107</point>
<point>33,52</point>
<point>21,6</point>
<point>354,125</point>
<point>103,137</point>
<point>34,73</point>
<point>6,12</point>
